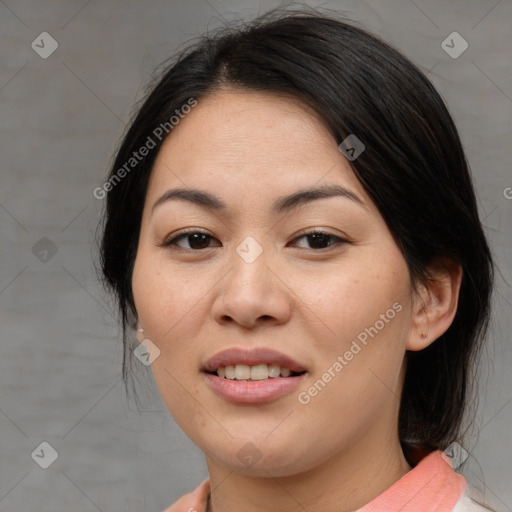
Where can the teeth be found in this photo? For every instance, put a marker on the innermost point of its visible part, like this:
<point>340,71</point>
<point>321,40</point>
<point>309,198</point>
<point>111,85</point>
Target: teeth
<point>242,372</point>
<point>230,372</point>
<point>274,370</point>
<point>256,372</point>
<point>259,372</point>
<point>285,372</point>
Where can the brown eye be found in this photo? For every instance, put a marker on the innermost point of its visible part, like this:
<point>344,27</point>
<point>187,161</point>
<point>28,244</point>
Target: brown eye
<point>321,239</point>
<point>196,240</point>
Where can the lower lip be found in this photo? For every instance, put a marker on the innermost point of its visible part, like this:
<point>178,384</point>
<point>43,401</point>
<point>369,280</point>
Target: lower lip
<point>252,391</point>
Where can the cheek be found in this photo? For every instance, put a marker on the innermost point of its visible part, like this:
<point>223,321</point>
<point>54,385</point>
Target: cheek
<point>359,326</point>
<point>360,295</point>
<point>171,308</point>
<point>168,301</point>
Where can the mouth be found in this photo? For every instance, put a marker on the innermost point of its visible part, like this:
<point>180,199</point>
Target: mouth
<point>252,376</point>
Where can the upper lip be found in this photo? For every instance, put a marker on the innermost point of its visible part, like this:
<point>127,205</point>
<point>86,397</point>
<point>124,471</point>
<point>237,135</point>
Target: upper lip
<point>251,357</point>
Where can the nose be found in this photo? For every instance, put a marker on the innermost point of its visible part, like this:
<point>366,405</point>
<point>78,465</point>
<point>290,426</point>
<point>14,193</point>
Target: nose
<point>253,292</point>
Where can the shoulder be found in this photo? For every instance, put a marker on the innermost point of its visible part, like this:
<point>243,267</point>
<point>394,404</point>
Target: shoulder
<point>468,502</point>
<point>194,501</point>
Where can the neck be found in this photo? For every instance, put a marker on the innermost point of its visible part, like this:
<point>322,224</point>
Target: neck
<point>343,483</point>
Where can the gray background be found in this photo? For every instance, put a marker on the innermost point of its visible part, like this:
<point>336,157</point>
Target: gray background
<point>61,119</point>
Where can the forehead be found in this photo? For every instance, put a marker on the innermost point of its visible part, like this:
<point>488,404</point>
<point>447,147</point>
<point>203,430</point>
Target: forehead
<point>257,144</point>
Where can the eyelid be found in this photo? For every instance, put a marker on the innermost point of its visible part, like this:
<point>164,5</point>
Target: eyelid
<point>319,230</point>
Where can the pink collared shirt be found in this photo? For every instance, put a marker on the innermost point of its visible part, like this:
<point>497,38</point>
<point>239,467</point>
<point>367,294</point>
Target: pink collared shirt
<point>431,486</point>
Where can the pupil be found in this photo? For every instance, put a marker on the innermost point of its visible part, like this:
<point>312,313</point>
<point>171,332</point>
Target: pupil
<point>196,240</point>
<point>319,240</point>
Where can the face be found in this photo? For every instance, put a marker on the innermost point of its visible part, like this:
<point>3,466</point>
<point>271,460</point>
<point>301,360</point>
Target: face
<point>247,285</point>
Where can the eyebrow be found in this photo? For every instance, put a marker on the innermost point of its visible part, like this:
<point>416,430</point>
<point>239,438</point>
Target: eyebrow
<point>284,204</point>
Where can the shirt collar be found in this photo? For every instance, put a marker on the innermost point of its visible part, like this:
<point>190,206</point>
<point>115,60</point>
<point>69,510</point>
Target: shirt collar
<point>431,486</point>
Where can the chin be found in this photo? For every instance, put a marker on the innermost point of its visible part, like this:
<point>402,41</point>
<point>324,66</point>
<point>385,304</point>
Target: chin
<point>260,458</point>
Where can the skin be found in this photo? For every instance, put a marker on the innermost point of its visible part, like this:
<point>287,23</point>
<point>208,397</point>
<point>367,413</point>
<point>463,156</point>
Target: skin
<point>342,449</point>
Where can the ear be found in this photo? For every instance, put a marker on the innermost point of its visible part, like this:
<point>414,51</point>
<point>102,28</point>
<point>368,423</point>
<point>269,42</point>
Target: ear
<point>435,304</point>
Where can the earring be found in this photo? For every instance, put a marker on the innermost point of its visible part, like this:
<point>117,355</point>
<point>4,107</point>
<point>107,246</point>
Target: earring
<point>140,333</point>
<point>424,336</point>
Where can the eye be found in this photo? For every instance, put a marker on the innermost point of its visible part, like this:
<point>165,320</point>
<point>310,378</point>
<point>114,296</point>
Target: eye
<point>196,239</point>
<point>319,239</point>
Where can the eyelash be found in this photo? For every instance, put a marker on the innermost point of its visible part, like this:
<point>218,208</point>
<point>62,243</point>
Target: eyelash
<point>172,242</point>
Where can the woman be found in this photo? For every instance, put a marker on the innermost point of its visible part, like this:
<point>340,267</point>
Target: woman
<point>292,224</point>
